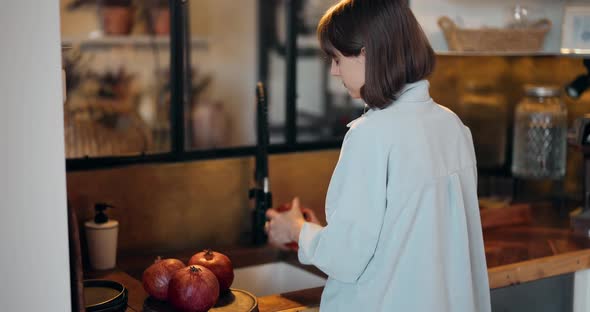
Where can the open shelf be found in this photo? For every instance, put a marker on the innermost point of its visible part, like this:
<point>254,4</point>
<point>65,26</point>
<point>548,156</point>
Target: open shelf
<point>562,53</point>
<point>310,43</point>
<point>138,41</point>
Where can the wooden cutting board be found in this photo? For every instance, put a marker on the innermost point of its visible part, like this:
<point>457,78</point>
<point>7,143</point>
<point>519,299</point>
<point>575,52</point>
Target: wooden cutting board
<point>235,301</point>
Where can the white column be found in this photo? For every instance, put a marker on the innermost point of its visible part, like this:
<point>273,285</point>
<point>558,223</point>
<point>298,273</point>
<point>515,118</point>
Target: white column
<point>34,264</point>
<point>582,291</point>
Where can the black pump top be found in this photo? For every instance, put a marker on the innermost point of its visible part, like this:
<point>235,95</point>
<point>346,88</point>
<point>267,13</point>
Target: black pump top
<point>100,216</point>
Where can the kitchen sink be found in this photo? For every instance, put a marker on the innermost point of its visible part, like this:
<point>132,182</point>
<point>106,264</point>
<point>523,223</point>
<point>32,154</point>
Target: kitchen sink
<point>274,278</point>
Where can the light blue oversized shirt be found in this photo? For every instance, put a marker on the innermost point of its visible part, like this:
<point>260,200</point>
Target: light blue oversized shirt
<point>404,231</point>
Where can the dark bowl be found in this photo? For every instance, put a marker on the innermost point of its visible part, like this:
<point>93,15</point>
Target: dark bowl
<point>104,296</point>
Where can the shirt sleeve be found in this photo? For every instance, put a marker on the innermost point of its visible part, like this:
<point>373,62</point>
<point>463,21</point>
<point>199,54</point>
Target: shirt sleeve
<point>355,206</point>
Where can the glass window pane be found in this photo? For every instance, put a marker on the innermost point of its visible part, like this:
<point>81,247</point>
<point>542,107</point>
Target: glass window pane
<point>117,77</point>
<point>221,113</point>
<point>323,105</point>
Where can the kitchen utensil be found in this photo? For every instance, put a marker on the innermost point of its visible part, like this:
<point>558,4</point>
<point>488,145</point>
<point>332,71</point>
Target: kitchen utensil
<point>105,296</point>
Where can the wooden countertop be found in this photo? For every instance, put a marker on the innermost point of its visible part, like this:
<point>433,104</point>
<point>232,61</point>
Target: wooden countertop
<point>546,247</point>
<point>526,253</point>
<point>514,254</point>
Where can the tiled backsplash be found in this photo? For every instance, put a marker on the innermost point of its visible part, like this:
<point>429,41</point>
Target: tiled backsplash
<point>198,204</point>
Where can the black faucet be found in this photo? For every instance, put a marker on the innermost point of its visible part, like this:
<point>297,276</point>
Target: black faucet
<point>261,192</point>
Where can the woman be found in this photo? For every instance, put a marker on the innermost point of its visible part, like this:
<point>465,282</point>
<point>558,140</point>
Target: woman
<point>403,230</point>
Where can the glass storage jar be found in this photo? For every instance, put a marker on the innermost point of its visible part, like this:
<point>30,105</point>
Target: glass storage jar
<point>540,134</point>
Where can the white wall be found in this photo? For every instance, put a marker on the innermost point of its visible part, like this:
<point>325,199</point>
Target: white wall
<point>33,226</point>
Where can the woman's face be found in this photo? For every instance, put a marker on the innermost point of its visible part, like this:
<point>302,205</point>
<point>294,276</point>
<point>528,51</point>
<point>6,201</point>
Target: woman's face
<point>351,70</point>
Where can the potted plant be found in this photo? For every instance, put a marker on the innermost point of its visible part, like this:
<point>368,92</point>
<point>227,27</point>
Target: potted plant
<point>116,17</point>
<point>157,14</point>
<point>116,92</point>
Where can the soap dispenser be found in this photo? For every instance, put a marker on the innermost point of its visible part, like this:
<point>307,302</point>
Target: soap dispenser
<point>101,236</point>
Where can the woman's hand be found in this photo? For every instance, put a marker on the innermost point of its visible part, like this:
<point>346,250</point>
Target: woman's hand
<point>310,216</point>
<point>284,227</point>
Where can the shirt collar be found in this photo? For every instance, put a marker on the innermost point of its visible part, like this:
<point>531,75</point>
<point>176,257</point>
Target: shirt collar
<point>414,92</point>
<point>408,96</point>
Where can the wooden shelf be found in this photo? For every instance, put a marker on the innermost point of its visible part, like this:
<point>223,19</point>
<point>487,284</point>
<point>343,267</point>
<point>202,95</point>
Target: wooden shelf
<point>139,41</point>
<point>310,43</point>
<point>562,53</point>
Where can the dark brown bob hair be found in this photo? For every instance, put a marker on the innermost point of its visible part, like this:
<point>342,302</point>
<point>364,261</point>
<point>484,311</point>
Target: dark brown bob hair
<point>397,51</point>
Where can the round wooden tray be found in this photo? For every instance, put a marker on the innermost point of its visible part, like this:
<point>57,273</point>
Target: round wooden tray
<point>236,300</point>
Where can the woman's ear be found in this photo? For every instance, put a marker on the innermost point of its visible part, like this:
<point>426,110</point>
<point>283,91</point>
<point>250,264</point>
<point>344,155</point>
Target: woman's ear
<point>361,57</point>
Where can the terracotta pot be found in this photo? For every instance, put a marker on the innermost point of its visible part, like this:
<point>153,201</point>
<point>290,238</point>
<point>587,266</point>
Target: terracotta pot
<point>160,18</point>
<point>116,20</point>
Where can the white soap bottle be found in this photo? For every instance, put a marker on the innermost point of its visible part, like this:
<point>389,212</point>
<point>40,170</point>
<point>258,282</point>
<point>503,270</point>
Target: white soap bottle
<point>101,236</point>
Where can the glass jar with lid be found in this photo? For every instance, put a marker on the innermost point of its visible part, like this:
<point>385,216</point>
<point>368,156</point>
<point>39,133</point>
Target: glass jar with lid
<point>484,110</point>
<point>540,134</point>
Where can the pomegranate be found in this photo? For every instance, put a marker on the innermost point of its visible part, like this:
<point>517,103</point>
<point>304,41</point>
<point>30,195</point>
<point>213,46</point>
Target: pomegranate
<point>219,264</point>
<point>156,277</point>
<point>194,288</point>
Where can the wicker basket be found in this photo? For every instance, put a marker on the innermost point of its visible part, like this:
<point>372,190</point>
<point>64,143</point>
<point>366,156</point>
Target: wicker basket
<point>495,39</point>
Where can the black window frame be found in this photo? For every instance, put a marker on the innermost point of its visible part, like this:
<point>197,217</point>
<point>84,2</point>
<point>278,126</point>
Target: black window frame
<point>267,41</point>
<point>178,65</point>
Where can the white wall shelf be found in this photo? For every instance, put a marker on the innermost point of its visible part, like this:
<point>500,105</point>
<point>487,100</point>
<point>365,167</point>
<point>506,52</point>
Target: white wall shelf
<point>137,41</point>
<point>539,53</point>
<point>310,42</point>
